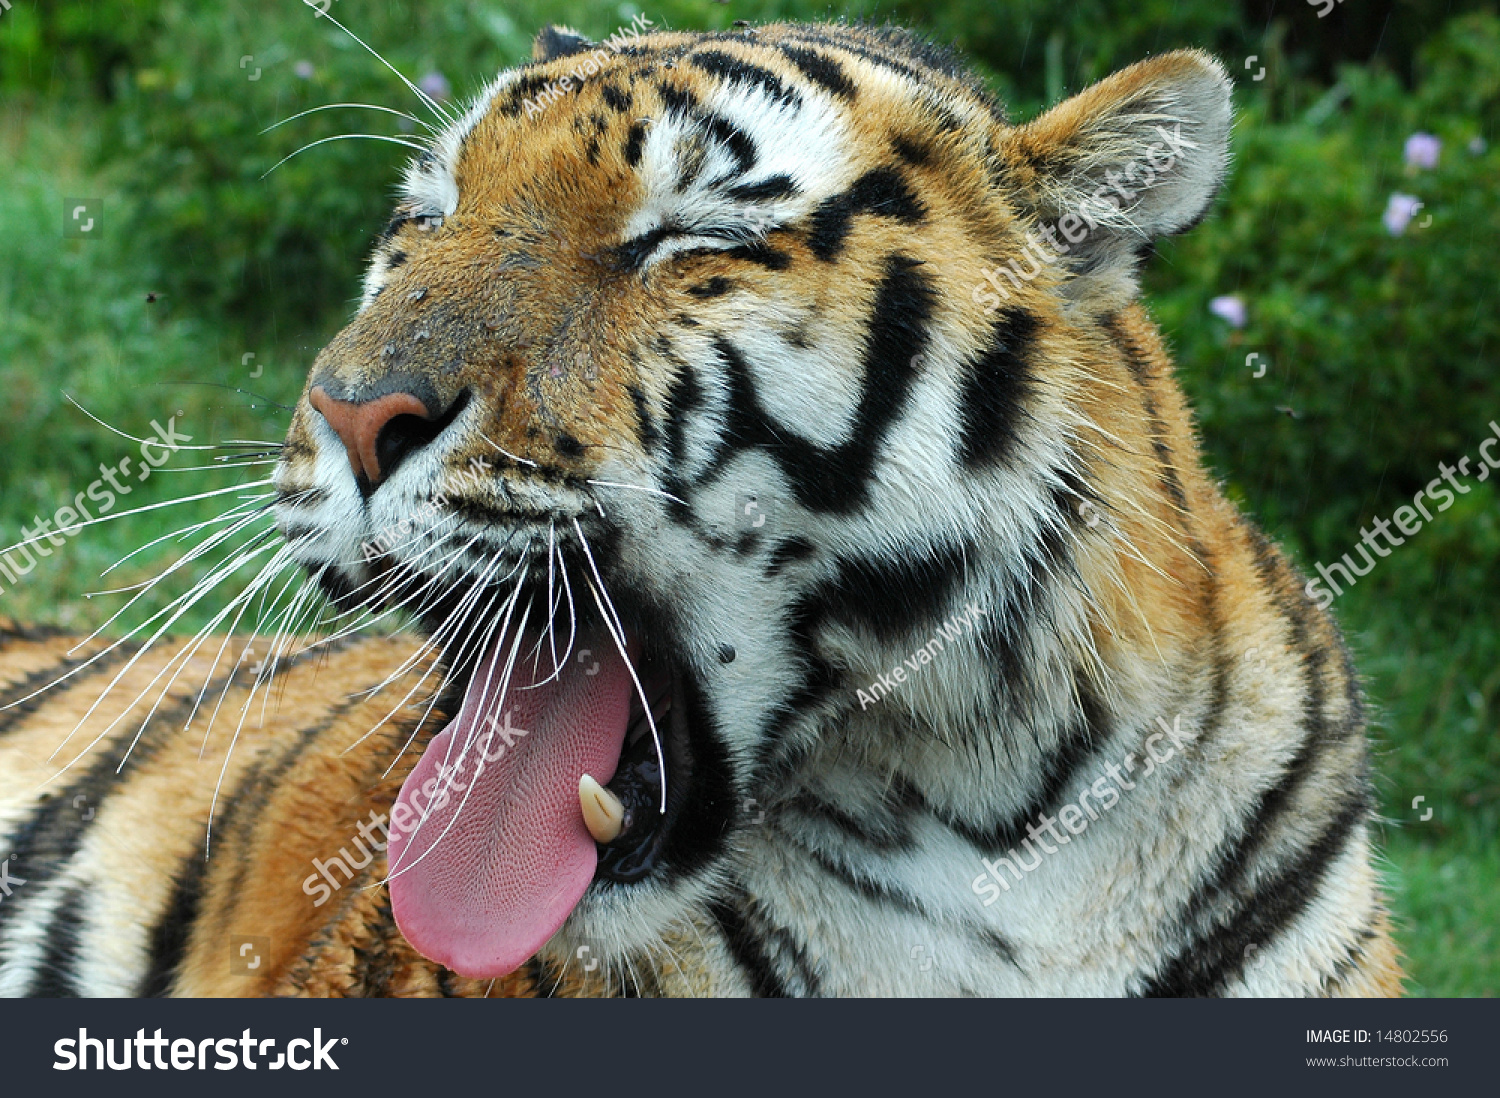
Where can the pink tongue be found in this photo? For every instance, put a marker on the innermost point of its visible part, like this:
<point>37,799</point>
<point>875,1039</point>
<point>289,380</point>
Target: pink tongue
<point>516,859</point>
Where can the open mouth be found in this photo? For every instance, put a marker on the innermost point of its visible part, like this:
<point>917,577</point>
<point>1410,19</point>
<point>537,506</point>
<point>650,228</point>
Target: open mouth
<point>553,775</point>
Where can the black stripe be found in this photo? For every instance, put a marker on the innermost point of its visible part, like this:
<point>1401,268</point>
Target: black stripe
<point>996,387</point>
<point>243,808</point>
<point>888,829</point>
<point>894,597</point>
<point>616,99</point>
<point>912,149</point>
<point>881,192</point>
<point>1068,501</point>
<point>13,711</point>
<point>172,932</point>
<point>634,142</point>
<point>681,101</point>
<point>714,287</point>
<point>632,254</point>
<point>676,100</point>
<point>683,399</point>
<point>53,835</point>
<point>786,552</point>
<point>1205,965</point>
<point>649,434</point>
<point>1210,961</point>
<point>1135,359</point>
<point>170,935</point>
<point>759,252</point>
<point>808,36</point>
<point>11,631</point>
<point>523,89</point>
<point>819,680</point>
<point>55,978</point>
<point>821,70</point>
<point>733,69</point>
<point>876,892</point>
<point>735,139</point>
<point>749,951</point>
<point>1139,364</point>
<point>838,480</point>
<point>772,187</point>
<point>790,956</point>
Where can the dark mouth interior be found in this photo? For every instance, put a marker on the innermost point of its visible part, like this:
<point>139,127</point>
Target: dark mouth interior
<point>636,853</point>
<point>637,780</point>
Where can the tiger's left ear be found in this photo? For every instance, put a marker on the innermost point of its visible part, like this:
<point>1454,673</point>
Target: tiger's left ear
<point>554,41</point>
<point>1137,156</point>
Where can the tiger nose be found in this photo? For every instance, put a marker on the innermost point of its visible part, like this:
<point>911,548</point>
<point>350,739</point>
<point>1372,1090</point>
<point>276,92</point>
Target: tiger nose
<point>378,434</point>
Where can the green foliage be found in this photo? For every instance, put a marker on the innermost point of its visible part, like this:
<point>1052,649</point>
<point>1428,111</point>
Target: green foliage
<point>1344,311</point>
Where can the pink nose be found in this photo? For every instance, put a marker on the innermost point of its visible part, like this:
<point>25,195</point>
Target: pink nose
<point>360,427</point>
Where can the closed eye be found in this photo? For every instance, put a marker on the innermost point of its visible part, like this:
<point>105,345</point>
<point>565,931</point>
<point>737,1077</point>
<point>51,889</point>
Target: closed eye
<point>666,240</point>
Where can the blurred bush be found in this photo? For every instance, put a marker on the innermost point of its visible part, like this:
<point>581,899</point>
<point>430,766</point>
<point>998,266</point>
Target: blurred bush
<point>1381,347</point>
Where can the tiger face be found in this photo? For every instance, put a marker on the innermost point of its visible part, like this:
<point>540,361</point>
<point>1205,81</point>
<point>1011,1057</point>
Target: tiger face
<point>696,382</point>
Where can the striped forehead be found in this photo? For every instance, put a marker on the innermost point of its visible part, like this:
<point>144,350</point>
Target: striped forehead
<point>722,145</point>
<point>721,127</point>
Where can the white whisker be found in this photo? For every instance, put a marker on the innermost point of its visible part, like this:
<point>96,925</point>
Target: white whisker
<point>357,106</point>
<point>513,457</point>
<point>142,510</point>
<point>638,488</point>
<point>432,104</point>
<point>344,137</point>
<point>617,634</point>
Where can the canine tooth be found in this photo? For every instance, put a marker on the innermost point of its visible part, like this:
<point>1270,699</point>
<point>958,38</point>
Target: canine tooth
<point>603,814</point>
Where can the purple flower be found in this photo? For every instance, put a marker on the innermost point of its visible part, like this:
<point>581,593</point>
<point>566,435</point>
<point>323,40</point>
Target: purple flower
<point>1230,308</point>
<point>304,69</point>
<point>1422,150</point>
<point>435,84</point>
<point>1399,211</point>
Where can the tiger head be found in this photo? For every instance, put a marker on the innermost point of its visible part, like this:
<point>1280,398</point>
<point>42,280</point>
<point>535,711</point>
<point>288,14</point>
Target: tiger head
<point>698,383</point>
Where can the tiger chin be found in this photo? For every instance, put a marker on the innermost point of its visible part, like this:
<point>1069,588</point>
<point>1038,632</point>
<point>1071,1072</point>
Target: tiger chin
<point>820,588</point>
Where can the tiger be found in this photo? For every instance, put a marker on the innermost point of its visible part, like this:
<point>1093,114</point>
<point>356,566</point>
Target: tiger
<point>818,587</point>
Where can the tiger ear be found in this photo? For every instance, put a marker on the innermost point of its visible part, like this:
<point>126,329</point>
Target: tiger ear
<point>554,41</point>
<point>1137,156</point>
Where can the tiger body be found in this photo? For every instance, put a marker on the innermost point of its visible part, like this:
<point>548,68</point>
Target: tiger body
<point>927,550</point>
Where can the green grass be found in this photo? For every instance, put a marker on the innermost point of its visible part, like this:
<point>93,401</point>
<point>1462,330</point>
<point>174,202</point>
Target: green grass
<point>74,318</point>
